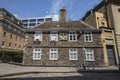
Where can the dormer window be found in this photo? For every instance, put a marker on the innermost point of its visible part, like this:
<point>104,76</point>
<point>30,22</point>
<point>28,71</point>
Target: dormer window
<point>88,37</point>
<point>54,36</point>
<point>38,36</point>
<point>72,36</point>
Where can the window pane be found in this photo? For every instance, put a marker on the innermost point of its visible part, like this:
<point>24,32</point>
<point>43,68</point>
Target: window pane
<point>40,20</point>
<point>37,53</point>
<point>89,55</point>
<point>32,20</point>
<point>35,49</point>
<point>38,36</point>
<point>25,20</point>
<point>53,36</point>
<point>88,37</point>
<point>38,49</point>
<point>48,19</point>
<point>72,36</point>
<point>53,54</point>
<point>73,54</point>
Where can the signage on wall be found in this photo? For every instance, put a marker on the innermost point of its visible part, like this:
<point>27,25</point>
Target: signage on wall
<point>63,36</point>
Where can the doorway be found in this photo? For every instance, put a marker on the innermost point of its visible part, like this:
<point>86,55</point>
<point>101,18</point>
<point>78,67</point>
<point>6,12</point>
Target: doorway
<point>110,54</point>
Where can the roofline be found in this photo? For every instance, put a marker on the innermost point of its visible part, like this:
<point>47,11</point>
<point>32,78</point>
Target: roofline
<point>87,25</point>
<point>37,25</point>
<point>93,10</point>
<point>8,12</point>
<point>64,29</point>
<point>52,21</point>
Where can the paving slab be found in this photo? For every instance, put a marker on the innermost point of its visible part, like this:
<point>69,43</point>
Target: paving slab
<point>8,69</point>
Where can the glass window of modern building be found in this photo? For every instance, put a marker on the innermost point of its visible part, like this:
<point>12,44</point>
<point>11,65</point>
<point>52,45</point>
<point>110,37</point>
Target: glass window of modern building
<point>32,24</point>
<point>40,20</point>
<point>32,20</point>
<point>24,21</point>
<point>48,19</point>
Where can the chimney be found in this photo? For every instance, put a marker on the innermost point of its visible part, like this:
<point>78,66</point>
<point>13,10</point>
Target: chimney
<point>62,16</point>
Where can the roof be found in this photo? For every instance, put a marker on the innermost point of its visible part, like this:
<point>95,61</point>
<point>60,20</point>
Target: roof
<point>62,26</point>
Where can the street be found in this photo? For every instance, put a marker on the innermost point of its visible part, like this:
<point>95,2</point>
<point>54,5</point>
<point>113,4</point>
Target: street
<point>15,72</point>
<point>85,76</point>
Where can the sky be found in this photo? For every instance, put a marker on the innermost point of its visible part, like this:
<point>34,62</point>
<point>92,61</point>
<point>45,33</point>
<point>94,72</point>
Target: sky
<point>76,9</point>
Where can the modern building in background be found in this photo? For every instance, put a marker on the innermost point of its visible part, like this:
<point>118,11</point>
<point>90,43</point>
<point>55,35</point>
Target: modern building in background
<point>31,22</point>
<point>12,35</point>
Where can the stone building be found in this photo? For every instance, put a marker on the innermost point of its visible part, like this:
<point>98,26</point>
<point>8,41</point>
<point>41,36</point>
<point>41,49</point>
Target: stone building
<point>106,16</point>
<point>63,43</point>
<point>12,35</point>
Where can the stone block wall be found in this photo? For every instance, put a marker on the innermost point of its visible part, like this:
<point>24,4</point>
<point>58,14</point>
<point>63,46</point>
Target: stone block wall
<point>63,57</point>
<point>63,50</point>
<point>79,43</point>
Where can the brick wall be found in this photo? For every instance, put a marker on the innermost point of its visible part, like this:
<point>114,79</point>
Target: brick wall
<point>16,39</point>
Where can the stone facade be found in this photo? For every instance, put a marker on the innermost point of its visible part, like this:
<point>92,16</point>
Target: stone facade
<point>115,11</point>
<point>106,16</point>
<point>63,46</point>
<point>63,58</point>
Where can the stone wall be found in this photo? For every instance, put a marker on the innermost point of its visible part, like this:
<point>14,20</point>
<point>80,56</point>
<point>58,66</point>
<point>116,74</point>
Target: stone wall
<point>63,57</point>
<point>115,21</point>
<point>80,40</point>
<point>63,50</point>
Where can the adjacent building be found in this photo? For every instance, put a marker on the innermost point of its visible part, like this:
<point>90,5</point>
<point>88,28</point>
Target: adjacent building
<point>106,16</point>
<point>34,21</point>
<point>12,35</point>
<point>62,43</point>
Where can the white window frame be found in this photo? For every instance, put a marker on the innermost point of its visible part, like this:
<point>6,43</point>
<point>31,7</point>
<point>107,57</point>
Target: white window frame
<point>88,53</point>
<point>37,52</point>
<point>15,46</point>
<point>10,45</point>
<point>38,35</point>
<point>71,56</point>
<point>53,33</point>
<point>3,44</point>
<point>88,35</point>
<point>72,33</point>
<point>55,51</point>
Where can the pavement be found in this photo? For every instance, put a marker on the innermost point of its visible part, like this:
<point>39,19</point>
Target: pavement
<point>7,70</point>
<point>11,70</point>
